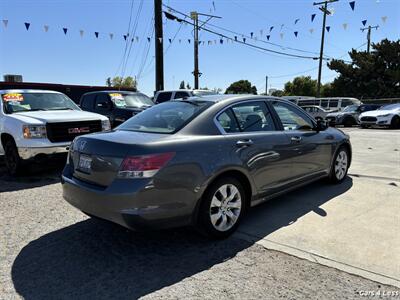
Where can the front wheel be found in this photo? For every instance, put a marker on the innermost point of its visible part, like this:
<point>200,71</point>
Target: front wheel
<point>12,158</point>
<point>395,123</point>
<point>348,122</point>
<point>340,165</point>
<point>222,208</point>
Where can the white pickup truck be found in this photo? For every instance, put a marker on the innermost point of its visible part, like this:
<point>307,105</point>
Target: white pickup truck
<point>34,123</point>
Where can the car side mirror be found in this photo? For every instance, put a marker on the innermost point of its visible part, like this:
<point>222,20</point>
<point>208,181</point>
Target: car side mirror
<point>320,126</point>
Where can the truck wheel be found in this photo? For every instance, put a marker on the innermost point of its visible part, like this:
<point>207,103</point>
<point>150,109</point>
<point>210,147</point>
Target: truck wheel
<point>395,123</point>
<point>12,159</point>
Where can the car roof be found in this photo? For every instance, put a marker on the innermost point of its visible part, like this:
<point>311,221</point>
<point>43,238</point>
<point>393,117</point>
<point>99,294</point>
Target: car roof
<point>231,98</point>
<point>171,91</point>
<point>19,91</point>
<point>112,91</point>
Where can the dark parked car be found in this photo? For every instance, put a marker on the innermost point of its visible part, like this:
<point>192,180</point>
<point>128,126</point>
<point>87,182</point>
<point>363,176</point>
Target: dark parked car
<point>350,115</point>
<point>201,161</point>
<point>118,106</point>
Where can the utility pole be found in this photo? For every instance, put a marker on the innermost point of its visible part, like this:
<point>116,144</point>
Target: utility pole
<point>194,15</point>
<point>266,85</point>
<point>159,49</point>
<point>369,35</point>
<point>325,10</point>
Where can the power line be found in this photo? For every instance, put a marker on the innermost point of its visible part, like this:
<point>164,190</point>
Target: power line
<point>251,45</point>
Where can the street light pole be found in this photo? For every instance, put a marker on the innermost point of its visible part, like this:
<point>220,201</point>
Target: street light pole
<point>159,51</point>
<point>325,10</point>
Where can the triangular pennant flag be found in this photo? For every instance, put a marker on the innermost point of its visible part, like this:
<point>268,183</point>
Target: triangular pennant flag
<point>313,17</point>
<point>111,36</point>
<point>244,40</point>
<point>282,26</point>
<point>202,42</point>
<point>268,36</point>
<point>311,30</point>
<point>132,40</point>
<point>27,25</point>
<point>160,40</point>
<point>261,32</point>
<point>328,28</point>
<point>364,22</point>
<point>384,18</point>
<point>180,41</point>
<point>96,34</point>
<point>235,38</point>
<point>209,42</point>
<point>296,33</point>
<point>189,41</point>
<point>5,22</point>
<point>125,37</point>
<point>281,34</point>
<point>251,34</point>
<point>81,32</point>
<point>270,29</point>
<point>296,21</point>
<point>46,28</point>
<point>137,39</point>
<point>148,39</point>
<point>65,30</point>
<point>170,41</point>
<point>213,5</point>
<point>352,4</point>
<point>344,26</point>
<point>215,42</point>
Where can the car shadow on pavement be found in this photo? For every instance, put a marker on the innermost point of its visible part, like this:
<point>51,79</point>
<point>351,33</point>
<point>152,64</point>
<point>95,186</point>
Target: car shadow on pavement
<point>287,209</point>
<point>35,174</point>
<point>96,259</point>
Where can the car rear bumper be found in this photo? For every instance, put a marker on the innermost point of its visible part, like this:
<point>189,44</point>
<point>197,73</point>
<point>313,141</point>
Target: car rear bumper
<point>135,204</point>
<point>28,153</point>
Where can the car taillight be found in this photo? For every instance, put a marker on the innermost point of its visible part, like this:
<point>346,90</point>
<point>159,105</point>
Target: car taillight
<point>144,166</point>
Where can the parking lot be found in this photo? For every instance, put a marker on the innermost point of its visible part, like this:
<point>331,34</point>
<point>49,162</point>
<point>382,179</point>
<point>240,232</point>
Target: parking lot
<point>322,241</point>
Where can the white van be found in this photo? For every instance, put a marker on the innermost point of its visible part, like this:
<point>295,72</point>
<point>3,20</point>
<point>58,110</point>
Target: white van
<point>332,104</point>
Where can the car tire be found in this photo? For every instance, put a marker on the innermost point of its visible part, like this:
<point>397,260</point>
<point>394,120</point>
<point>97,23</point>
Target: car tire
<point>340,165</point>
<point>395,123</point>
<point>12,159</point>
<point>363,126</point>
<point>348,122</point>
<point>218,216</point>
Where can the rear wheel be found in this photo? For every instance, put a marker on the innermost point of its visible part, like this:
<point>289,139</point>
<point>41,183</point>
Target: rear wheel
<point>363,126</point>
<point>12,158</point>
<point>395,123</point>
<point>222,208</point>
<point>340,165</point>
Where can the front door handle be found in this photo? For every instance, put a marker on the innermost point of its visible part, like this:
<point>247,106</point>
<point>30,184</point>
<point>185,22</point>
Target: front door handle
<point>244,143</point>
<point>296,139</point>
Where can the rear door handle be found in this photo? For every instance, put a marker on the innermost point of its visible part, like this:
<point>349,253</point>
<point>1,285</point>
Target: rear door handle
<point>244,143</point>
<point>296,139</point>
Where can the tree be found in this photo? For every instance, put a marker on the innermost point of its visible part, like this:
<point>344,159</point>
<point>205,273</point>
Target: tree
<point>241,87</point>
<point>369,75</point>
<point>301,86</point>
<point>182,85</point>
<point>188,86</point>
<point>119,82</point>
<point>277,93</point>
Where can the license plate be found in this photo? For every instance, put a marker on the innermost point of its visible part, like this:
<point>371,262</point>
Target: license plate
<point>85,163</point>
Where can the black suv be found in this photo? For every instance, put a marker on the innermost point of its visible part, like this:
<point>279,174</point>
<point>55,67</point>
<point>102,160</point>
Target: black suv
<point>349,116</point>
<point>118,106</point>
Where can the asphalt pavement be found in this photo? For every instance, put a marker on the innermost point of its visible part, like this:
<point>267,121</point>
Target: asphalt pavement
<point>48,249</point>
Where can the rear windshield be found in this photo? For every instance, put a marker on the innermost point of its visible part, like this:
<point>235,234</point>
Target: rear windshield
<point>131,100</point>
<point>25,102</point>
<point>167,117</point>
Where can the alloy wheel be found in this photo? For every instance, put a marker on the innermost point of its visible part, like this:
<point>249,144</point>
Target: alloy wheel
<point>341,164</point>
<point>225,207</point>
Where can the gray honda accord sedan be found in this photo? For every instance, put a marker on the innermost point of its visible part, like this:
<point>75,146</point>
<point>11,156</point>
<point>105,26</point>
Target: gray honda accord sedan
<point>202,161</point>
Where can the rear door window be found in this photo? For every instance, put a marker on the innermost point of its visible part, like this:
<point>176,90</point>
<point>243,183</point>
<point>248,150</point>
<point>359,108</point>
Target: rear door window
<point>333,103</point>
<point>228,121</point>
<point>164,96</point>
<point>253,116</point>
